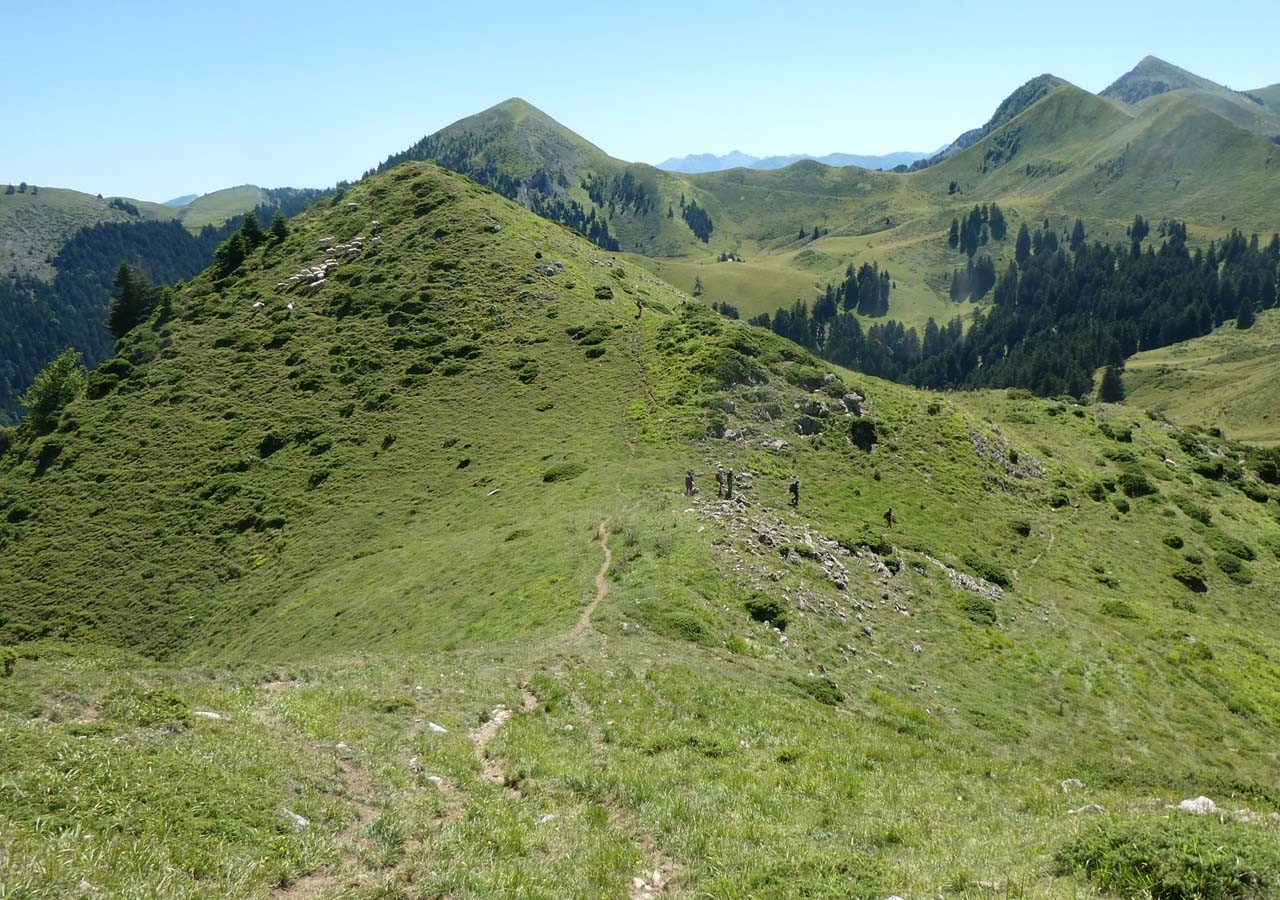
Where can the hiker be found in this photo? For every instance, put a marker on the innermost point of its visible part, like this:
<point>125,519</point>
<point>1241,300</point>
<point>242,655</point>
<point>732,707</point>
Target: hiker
<point>688,483</point>
<point>729,485</point>
<point>639,306</point>
<point>888,517</point>
<point>795,490</point>
<point>719,481</point>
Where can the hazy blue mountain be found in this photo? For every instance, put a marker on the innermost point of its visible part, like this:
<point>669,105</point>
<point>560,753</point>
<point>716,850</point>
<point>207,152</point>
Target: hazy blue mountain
<point>708,162</point>
<point>181,201</point>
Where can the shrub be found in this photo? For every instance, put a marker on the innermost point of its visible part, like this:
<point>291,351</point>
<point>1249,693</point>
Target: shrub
<point>1228,563</point>
<point>1228,544</point>
<point>1191,577</point>
<point>1096,490</point>
<point>1119,609</point>
<point>54,387</point>
<point>1121,504</point>
<point>1172,540</point>
<point>1021,527</point>
<point>984,568</point>
<point>824,690</point>
<point>604,292</point>
<point>566,471</point>
<point>1135,484</point>
<point>8,659</point>
<point>977,608</point>
<point>1194,510</point>
<point>1121,433</point>
<point>1175,858</point>
<point>768,609</point>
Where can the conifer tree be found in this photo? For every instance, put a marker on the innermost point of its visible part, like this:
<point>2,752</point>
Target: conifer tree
<point>1112,388</point>
<point>252,230</point>
<point>132,300</point>
<point>279,228</point>
<point>1022,247</point>
<point>1245,317</point>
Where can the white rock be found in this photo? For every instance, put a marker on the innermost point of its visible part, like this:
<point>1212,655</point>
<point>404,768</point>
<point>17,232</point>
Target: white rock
<point>1070,783</point>
<point>438,729</point>
<point>298,822</point>
<point>437,781</point>
<point>1200,806</point>
<point>549,817</point>
<point>205,714</point>
<point>1091,809</point>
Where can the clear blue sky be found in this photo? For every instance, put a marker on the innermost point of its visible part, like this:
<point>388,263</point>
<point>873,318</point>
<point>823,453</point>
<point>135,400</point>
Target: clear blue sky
<point>157,99</point>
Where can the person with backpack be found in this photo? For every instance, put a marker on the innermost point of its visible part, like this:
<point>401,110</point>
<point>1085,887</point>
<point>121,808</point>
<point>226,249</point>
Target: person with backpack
<point>795,490</point>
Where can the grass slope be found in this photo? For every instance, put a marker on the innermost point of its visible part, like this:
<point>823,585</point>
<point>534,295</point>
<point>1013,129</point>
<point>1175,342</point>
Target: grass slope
<point>1223,379</point>
<point>215,208</point>
<point>33,227</point>
<point>1154,77</point>
<point>361,530</point>
<point>1051,151</point>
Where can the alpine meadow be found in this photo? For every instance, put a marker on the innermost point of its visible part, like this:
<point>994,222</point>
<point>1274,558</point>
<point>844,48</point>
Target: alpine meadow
<point>516,521</point>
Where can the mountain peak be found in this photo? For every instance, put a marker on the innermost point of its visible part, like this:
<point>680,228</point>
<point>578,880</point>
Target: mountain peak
<point>1153,76</point>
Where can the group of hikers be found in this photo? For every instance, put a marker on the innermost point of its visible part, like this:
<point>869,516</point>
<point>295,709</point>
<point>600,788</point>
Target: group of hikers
<point>725,484</point>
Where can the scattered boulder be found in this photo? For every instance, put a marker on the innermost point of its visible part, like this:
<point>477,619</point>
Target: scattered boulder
<point>808,425</point>
<point>777,445</point>
<point>1200,806</point>
<point>853,403</point>
<point>816,408</point>
<point>205,714</point>
<point>1089,809</point>
<point>438,729</point>
<point>297,822</point>
<point>1069,784</point>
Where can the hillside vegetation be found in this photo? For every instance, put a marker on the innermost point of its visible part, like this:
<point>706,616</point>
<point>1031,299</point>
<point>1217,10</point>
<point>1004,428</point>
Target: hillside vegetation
<point>386,587</point>
<point>1224,380</point>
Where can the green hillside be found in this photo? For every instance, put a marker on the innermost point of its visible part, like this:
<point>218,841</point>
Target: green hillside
<point>388,588</point>
<point>1226,379</point>
<point>1154,77</point>
<point>35,223</point>
<point>217,207</point>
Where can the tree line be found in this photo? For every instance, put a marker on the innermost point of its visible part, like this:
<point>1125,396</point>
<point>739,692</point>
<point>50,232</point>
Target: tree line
<point>1057,314</point>
<point>42,318</point>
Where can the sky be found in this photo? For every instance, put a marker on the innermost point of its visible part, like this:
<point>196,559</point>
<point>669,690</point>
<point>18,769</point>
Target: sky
<point>154,100</point>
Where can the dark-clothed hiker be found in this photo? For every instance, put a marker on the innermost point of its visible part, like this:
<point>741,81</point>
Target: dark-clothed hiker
<point>688,482</point>
<point>888,517</point>
<point>795,490</point>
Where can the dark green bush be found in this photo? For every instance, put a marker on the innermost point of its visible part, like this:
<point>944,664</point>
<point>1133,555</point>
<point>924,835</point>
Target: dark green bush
<point>1227,544</point>
<point>1175,858</point>
<point>1193,510</point>
<point>986,569</point>
<point>1135,484</point>
<point>565,471</point>
<point>1119,609</point>
<point>978,609</point>
<point>824,690</point>
<point>1172,540</point>
<point>768,609</point>
<point>1121,433</point>
<point>1191,577</point>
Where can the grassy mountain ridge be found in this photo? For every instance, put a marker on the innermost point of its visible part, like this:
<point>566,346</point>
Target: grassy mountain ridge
<point>361,531</point>
<point>1223,380</point>
<point>1154,77</point>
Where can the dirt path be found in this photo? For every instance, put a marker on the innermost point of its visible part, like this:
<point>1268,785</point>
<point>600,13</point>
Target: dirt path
<point>602,587</point>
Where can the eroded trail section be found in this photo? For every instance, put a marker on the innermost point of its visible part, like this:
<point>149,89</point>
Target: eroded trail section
<point>602,587</point>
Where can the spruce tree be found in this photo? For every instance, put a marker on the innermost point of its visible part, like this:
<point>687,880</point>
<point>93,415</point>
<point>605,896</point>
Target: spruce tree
<point>132,299</point>
<point>252,230</point>
<point>1022,248</point>
<point>279,228</point>
<point>1245,317</point>
<point>1112,388</point>
<point>57,385</point>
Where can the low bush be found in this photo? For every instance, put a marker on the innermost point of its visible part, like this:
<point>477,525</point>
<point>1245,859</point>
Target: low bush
<point>824,690</point>
<point>1135,484</point>
<point>1172,540</point>
<point>767,609</point>
<point>986,569</point>
<point>1175,858</point>
<point>1191,577</point>
<point>566,471</point>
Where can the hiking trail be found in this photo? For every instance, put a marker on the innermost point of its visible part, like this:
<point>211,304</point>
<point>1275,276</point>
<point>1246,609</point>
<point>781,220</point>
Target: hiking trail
<point>602,587</point>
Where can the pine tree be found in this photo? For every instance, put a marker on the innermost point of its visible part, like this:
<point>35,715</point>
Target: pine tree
<point>279,228</point>
<point>1022,247</point>
<point>697,286</point>
<point>1245,317</point>
<point>132,300</point>
<point>1078,237</point>
<point>251,228</point>
<point>998,227</point>
<point>1112,388</point>
<point>953,239</point>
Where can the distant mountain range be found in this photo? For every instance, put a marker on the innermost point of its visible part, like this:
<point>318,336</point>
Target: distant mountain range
<point>180,201</point>
<point>697,163</point>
